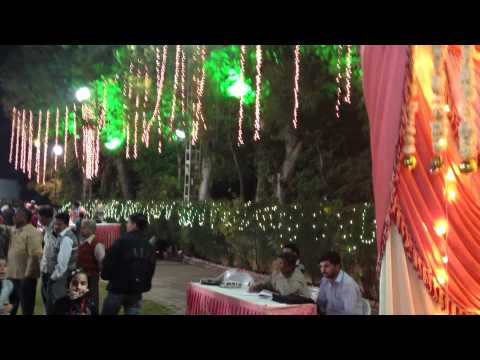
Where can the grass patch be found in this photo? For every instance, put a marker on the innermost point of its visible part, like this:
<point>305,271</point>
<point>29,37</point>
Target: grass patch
<point>149,307</point>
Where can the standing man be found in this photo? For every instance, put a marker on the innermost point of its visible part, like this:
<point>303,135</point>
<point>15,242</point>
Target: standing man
<point>45,217</point>
<point>339,294</point>
<point>60,259</point>
<point>91,253</point>
<point>129,267</point>
<point>24,260</point>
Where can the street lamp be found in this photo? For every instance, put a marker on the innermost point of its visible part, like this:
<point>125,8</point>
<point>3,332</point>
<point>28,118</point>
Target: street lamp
<point>57,150</point>
<point>180,134</point>
<point>83,94</point>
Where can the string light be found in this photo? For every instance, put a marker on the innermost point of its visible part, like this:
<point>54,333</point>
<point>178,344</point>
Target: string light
<point>145,101</point>
<point>160,69</point>
<point>30,145</point>
<point>17,144</point>
<point>38,147</point>
<point>12,135</point>
<point>201,86</point>
<point>175,85</point>
<point>243,51</point>
<point>57,122</point>
<point>45,146</point>
<point>338,80</point>
<point>24,139</point>
<point>137,104</point>
<point>258,92</point>
<point>75,130</point>
<point>196,54</point>
<point>65,145</point>
<point>296,85</point>
<point>348,75</point>
<point>183,81</point>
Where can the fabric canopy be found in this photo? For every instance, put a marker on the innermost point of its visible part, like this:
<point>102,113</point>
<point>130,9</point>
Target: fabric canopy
<point>415,200</point>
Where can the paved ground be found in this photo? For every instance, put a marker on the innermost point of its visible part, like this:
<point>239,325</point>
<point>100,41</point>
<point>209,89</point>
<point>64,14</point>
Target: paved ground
<point>170,282</point>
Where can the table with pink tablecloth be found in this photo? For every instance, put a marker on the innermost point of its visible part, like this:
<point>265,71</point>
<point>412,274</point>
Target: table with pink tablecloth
<point>107,234</point>
<point>213,300</point>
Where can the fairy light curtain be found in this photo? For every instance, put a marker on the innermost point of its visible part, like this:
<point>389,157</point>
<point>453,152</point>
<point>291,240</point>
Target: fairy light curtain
<point>422,104</point>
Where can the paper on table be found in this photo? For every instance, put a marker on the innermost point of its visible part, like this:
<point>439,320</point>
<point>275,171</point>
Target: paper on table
<point>266,294</point>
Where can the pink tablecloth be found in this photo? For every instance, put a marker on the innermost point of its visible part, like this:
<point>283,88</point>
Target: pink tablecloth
<point>107,234</point>
<point>205,301</point>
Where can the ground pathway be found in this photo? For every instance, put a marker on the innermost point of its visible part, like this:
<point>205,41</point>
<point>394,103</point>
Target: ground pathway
<point>170,282</point>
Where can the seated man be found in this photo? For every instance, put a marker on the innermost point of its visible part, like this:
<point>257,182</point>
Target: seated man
<point>288,280</point>
<point>339,294</point>
<point>294,249</point>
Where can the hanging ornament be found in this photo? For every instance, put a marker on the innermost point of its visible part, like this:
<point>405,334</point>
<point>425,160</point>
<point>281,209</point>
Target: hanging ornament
<point>65,145</point>
<point>409,149</point>
<point>45,146</point>
<point>258,92</point>
<point>296,85</point>
<point>440,121</point>
<point>467,134</point>
<point>12,135</point>
<point>38,147</point>
<point>243,51</point>
<point>30,145</point>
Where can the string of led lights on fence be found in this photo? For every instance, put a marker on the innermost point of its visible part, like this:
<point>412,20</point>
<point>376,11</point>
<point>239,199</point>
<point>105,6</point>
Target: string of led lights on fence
<point>243,52</point>
<point>351,228</point>
<point>296,86</point>
<point>258,92</point>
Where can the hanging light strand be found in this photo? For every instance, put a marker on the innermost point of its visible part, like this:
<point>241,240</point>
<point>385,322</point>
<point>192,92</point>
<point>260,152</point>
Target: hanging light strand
<point>195,77</point>
<point>75,130</point>
<point>296,86</point>
<point>12,134</point>
<point>175,86</point>
<point>183,82</point>
<point>146,82</point>
<point>45,146</point>
<point>137,105</point>
<point>17,144</point>
<point>338,80</point>
<point>30,145</point>
<point>348,75</point>
<point>200,89</point>
<point>57,123</point>
<point>160,82</point>
<point>65,141</point>
<point>38,147</point>
<point>24,139</point>
<point>243,50</point>
<point>258,93</point>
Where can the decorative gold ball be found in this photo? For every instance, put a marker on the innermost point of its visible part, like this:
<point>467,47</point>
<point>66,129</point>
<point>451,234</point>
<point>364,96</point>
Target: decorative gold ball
<point>436,164</point>
<point>468,166</point>
<point>410,161</point>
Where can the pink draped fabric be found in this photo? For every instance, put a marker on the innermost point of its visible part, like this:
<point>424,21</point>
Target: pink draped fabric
<point>107,234</point>
<point>383,85</point>
<point>201,301</point>
<point>418,200</point>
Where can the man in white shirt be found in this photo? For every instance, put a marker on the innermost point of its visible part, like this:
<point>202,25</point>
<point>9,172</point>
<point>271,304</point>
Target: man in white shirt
<point>339,294</point>
<point>60,259</point>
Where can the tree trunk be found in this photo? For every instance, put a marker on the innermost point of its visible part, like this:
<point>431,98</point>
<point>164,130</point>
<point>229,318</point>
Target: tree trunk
<point>261,189</point>
<point>204,192</point>
<point>123,178</point>
<point>293,147</point>
<point>239,170</point>
<point>179,168</point>
<point>84,188</point>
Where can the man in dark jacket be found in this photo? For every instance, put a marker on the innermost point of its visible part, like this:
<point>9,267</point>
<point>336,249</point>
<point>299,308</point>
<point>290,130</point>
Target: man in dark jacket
<point>129,266</point>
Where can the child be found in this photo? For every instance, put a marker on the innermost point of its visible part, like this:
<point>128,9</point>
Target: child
<point>6,289</point>
<point>77,301</point>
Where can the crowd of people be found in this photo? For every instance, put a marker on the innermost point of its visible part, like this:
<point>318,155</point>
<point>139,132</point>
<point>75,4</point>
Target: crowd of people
<point>61,249</point>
